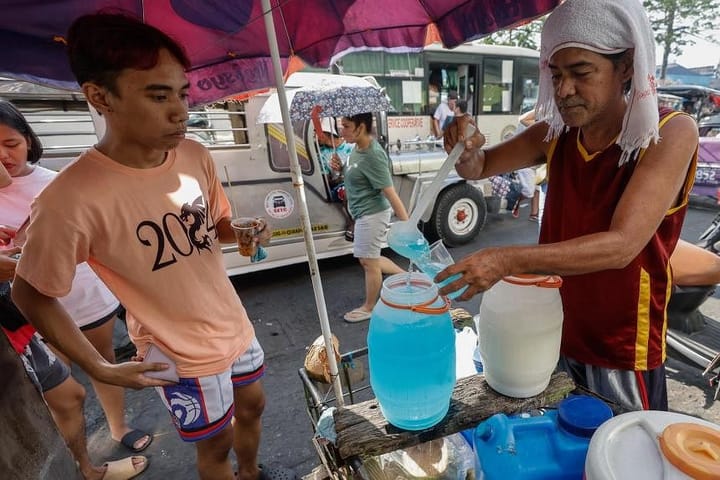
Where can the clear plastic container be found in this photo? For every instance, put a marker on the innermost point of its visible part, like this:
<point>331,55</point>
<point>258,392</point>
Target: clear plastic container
<point>411,352</point>
<point>520,330</point>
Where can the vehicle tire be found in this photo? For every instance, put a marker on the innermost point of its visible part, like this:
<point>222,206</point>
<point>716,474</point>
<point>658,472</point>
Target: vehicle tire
<point>459,214</point>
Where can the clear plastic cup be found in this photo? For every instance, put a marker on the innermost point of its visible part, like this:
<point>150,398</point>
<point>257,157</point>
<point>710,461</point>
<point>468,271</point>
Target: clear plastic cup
<point>435,261</point>
<point>246,230</point>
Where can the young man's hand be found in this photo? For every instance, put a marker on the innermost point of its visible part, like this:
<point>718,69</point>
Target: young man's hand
<point>131,374</point>
<point>264,233</point>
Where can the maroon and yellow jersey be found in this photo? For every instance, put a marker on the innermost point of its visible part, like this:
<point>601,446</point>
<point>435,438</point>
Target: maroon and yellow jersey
<point>613,318</point>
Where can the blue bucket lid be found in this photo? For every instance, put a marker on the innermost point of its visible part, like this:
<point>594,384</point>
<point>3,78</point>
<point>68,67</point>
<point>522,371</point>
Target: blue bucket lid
<point>581,415</point>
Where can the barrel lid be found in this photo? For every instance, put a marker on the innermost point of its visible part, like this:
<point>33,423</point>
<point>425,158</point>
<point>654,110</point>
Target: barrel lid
<point>531,279</point>
<point>581,415</point>
<point>693,449</point>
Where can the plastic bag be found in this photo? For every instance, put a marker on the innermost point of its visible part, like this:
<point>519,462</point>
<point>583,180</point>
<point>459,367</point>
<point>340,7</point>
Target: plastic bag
<point>447,458</point>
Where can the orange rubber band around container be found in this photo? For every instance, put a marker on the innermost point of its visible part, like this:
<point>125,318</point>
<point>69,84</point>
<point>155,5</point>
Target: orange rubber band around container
<point>423,307</point>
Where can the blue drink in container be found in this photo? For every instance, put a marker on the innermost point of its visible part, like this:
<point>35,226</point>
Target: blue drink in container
<point>411,352</point>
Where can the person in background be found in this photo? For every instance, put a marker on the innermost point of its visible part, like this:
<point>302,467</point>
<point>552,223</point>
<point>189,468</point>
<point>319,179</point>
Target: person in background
<point>456,129</point>
<point>616,198</point>
<point>152,233</point>
<point>371,199</point>
<point>443,113</point>
<point>329,144</point>
<point>90,304</point>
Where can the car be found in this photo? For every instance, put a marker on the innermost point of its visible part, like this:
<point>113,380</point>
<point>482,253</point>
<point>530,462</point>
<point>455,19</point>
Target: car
<point>709,126</point>
<point>707,175</point>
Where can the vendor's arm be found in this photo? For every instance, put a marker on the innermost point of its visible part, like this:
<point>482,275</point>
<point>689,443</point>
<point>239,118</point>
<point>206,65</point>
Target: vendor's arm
<point>395,203</point>
<point>54,324</point>
<point>651,192</point>
<point>525,149</point>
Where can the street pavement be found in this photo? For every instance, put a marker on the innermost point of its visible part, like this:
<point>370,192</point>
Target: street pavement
<point>282,307</point>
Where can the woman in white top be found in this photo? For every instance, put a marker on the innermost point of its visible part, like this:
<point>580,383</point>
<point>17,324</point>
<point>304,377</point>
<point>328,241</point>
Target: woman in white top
<point>91,305</point>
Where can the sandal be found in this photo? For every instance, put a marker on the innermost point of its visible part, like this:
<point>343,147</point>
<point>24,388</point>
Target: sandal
<point>124,469</point>
<point>130,439</point>
<point>533,217</point>
<point>356,315</point>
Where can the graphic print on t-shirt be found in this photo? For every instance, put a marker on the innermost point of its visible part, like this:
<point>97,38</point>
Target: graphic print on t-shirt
<point>193,230</point>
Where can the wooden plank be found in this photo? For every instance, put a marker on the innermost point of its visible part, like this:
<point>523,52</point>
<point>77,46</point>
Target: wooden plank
<point>362,429</point>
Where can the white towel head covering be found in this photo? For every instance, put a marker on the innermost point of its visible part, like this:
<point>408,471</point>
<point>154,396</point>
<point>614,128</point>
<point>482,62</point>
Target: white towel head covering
<point>606,27</point>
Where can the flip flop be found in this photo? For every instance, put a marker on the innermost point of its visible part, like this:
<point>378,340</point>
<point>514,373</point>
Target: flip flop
<point>356,315</point>
<point>130,438</point>
<point>124,469</point>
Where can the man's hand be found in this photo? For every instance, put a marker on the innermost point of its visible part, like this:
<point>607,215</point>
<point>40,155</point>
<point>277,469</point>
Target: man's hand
<point>479,271</point>
<point>130,374</point>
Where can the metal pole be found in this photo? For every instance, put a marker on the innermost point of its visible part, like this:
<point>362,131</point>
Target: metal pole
<point>302,202</point>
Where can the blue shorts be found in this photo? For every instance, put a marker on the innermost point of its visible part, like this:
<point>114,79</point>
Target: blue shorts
<point>200,407</point>
<point>44,368</point>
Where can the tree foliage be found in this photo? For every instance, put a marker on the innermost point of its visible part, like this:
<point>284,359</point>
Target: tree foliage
<point>677,22</point>
<point>527,36</point>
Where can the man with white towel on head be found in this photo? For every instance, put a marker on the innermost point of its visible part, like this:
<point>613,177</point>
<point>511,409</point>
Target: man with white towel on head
<point>619,175</point>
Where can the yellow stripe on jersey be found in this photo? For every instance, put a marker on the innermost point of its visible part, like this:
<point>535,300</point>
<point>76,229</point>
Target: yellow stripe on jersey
<point>642,337</point>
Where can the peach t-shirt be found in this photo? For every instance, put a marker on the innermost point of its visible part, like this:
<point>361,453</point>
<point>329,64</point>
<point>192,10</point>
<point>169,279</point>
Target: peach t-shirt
<point>150,235</point>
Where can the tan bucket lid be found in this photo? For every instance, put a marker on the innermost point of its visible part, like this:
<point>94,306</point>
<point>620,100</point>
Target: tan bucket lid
<point>693,449</point>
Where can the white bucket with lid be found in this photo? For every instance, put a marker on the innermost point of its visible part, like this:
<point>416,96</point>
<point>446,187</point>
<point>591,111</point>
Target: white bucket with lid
<point>520,330</point>
<point>654,445</point>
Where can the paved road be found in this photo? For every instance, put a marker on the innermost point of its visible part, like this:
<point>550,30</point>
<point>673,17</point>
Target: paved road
<point>281,304</point>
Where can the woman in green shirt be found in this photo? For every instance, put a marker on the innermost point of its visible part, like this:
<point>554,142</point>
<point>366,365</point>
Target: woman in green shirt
<point>371,200</point>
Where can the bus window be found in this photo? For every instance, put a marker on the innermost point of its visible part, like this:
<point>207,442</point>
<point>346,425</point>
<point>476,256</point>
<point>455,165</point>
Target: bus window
<point>499,82</point>
<point>526,85</point>
<point>401,74</point>
<point>497,85</point>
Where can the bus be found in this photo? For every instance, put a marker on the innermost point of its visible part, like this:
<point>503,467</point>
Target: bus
<point>499,83</point>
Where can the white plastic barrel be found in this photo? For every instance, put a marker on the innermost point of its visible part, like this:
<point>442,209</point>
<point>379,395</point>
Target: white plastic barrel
<point>654,445</point>
<point>520,330</point>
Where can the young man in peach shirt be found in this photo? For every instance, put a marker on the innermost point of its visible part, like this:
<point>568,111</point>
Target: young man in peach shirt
<point>146,210</point>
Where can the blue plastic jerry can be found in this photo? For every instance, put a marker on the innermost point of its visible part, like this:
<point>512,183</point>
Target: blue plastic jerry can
<point>542,447</point>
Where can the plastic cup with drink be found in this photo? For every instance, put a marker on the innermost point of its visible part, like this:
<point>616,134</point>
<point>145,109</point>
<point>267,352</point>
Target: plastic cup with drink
<point>246,231</point>
<point>435,261</point>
